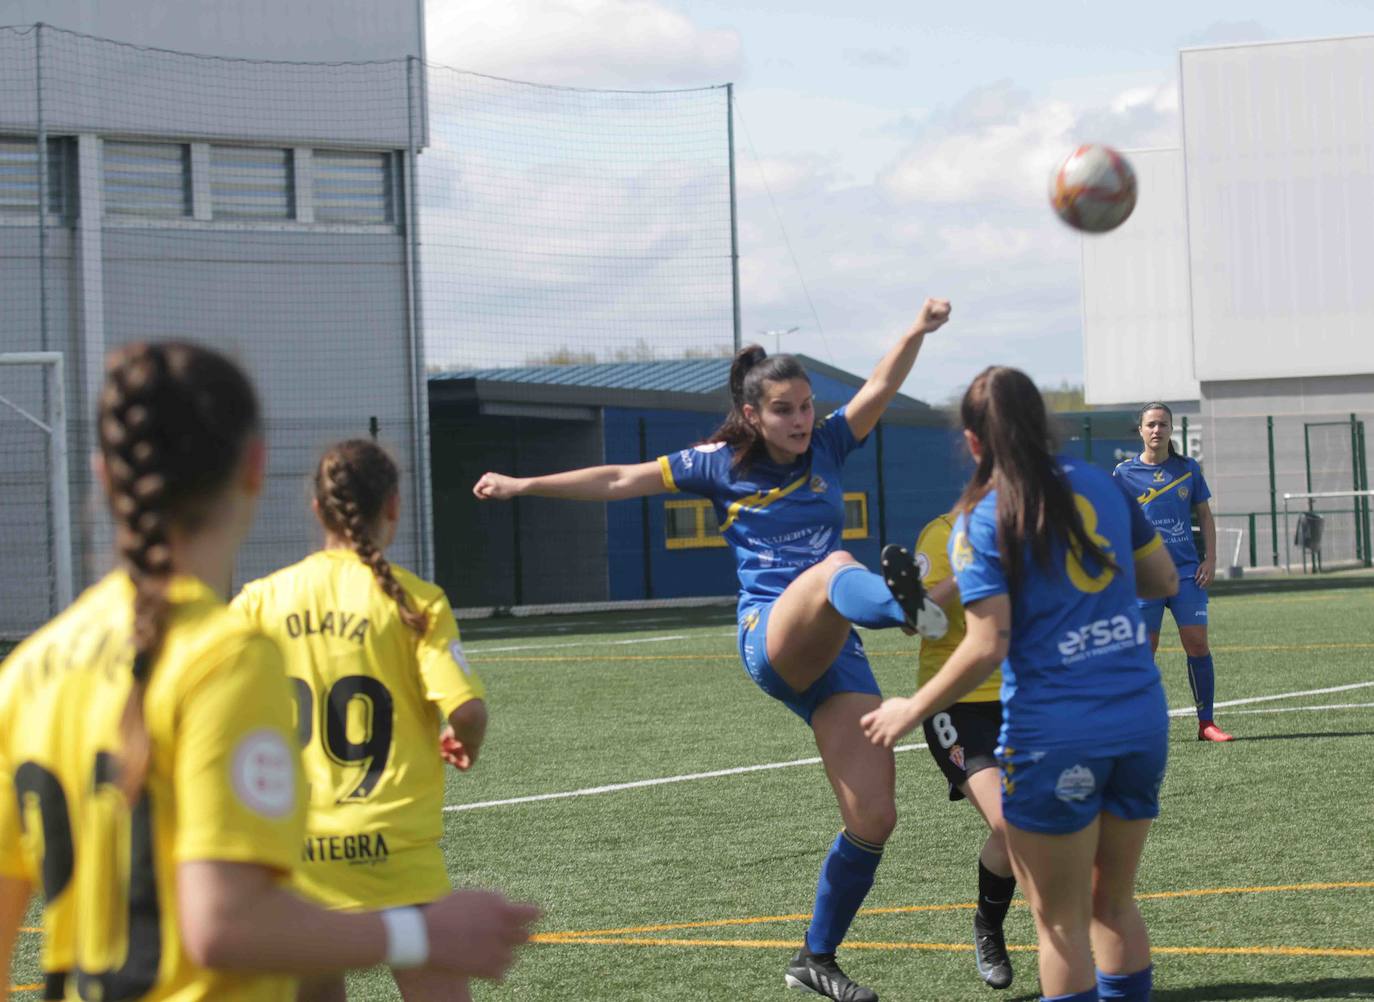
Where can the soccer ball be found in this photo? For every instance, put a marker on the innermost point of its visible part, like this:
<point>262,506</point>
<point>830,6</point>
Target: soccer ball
<point>1093,190</point>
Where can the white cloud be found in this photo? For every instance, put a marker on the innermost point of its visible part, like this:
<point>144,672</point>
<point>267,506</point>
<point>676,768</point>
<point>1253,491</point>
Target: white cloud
<point>636,43</point>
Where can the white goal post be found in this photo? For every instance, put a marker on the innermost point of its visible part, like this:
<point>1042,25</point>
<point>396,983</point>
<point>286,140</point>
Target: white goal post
<point>41,404</point>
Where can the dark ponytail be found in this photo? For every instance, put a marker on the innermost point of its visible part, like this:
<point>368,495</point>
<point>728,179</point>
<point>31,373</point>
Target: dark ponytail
<point>353,482</point>
<point>752,368</point>
<point>1035,503</point>
<point>173,423</point>
<point>1157,406</point>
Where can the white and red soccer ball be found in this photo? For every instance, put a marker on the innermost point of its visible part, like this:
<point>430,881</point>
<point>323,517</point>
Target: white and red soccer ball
<point>1093,189</point>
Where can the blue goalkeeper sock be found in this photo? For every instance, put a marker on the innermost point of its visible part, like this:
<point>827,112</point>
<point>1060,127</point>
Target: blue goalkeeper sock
<point>1126,987</point>
<point>1089,996</point>
<point>846,876</point>
<point>1203,679</point>
<point>862,597</point>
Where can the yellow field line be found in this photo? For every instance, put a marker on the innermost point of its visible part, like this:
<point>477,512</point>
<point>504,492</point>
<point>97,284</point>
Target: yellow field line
<point>732,656</point>
<point>575,934</point>
<point>29,928</point>
<point>24,988</point>
<point>787,944</point>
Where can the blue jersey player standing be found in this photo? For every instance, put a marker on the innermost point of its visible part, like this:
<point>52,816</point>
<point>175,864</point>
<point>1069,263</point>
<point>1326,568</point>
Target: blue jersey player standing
<point>775,476</point>
<point>1170,489</point>
<point>1050,556</point>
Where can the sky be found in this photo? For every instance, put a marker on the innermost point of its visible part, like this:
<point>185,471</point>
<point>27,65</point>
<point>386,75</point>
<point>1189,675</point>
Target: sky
<point>887,151</point>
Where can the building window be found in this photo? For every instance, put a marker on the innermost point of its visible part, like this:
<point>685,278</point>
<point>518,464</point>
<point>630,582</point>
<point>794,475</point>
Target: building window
<point>147,179</point>
<point>19,176</point>
<point>690,524</point>
<point>251,183</point>
<point>855,515</point>
<point>354,186</point>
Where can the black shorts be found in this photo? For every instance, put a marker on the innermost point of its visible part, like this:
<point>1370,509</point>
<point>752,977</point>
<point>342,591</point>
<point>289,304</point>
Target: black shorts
<point>963,740</point>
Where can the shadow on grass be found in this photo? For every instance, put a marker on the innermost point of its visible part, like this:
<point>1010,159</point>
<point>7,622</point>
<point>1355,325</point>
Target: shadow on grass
<point>1323,988</point>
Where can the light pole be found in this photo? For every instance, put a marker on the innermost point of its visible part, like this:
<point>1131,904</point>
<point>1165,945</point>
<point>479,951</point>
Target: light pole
<point>777,337</point>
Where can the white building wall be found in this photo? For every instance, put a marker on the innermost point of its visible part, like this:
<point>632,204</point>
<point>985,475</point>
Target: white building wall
<point>1137,327</point>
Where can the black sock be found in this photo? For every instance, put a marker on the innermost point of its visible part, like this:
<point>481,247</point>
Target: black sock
<point>994,896</point>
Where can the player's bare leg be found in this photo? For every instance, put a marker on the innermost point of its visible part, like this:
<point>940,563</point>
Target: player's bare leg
<point>1121,943</point>
<point>1055,873</point>
<point>805,633</point>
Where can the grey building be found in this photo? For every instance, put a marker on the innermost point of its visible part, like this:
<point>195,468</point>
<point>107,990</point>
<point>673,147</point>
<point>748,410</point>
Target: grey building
<point>258,205</point>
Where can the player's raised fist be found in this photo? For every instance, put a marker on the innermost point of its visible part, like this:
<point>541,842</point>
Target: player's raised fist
<point>495,487</point>
<point>934,313</point>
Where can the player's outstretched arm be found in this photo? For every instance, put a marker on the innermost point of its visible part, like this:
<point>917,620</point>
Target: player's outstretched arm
<point>592,483</point>
<point>235,916</point>
<point>984,647</point>
<point>873,397</point>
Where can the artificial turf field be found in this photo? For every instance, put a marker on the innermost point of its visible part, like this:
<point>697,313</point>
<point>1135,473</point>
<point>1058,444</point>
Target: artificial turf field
<point>1257,882</point>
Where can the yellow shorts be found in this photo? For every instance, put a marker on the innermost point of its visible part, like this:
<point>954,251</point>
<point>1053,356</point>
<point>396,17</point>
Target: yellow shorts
<point>363,872</point>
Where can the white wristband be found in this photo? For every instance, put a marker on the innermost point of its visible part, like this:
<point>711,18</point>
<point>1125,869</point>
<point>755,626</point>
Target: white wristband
<point>407,938</point>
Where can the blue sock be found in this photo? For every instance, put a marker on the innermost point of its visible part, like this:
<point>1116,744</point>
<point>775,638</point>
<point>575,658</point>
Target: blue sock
<point>862,597</point>
<point>1203,679</point>
<point>846,876</point>
<point>1126,987</point>
<point>1089,996</point>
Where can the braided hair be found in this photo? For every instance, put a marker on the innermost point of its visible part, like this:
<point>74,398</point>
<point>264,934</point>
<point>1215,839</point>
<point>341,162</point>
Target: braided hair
<point>173,422</point>
<point>354,480</point>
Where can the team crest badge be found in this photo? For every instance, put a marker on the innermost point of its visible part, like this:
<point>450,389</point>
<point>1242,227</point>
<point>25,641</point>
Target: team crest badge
<point>1075,783</point>
<point>961,552</point>
<point>922,566</point>
<point>1183,493</point>
<point>956,755</point>
<point>818,485</point>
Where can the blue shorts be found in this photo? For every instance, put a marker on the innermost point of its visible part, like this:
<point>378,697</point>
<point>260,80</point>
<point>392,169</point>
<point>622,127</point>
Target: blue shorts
<point>850,672</point>
<point>1060,790</point>
<point>1189,606</point>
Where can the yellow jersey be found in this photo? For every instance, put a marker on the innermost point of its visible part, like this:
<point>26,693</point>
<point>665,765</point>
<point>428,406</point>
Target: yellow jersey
<point>932,559</point>
<point>223,784</point>
<point>369,691</point>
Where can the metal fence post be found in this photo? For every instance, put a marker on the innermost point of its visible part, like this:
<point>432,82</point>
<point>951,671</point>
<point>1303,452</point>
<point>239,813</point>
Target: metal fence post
<point>1254,547</point>
<point>1273,494</point>
<point>1361,543</point>
<point>1185,434</point>
<point>734,216</point>
<point>1088,437</point>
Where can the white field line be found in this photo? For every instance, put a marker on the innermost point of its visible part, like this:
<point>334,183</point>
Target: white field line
<point>1299,709</point>
<point>591,643</point>
<point>1183,711</point>
<point>640,784</point>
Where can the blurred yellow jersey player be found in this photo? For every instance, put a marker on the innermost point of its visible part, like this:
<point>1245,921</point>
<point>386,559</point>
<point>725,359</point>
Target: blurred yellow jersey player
<point>222,784</point>
<point>963,740</point>
<point>375,660</point>
<point>366,689</point>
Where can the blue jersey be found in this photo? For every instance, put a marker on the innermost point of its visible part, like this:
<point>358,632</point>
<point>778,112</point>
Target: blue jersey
<point>1079,665</point>
<point>1167,493</point>
<point>779,520</point>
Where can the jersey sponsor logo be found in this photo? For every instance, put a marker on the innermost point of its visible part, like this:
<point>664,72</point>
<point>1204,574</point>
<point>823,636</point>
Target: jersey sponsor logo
<point>818,484</point>
<point>922,566</point>
<point>961,552</point>
<point>264,774</point>
<point>455,650</point>
<point>361,849</point>
<point>1075,783</point>
<point>311,623</point>
<point>1101,636</point>
<point>1158,477</point>
<point>709,447</point>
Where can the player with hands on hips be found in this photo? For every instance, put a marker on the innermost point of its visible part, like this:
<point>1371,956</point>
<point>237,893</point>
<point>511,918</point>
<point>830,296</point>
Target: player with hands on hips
<point>148,723</point>
<point>1050,555</point>
<point>1171,489</point>
<point>774,475</point>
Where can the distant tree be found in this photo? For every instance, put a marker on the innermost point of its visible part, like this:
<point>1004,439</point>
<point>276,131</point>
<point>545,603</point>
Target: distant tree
<point>562,356</point>
<point>1064,397</point>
